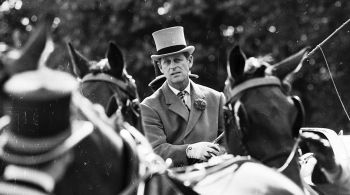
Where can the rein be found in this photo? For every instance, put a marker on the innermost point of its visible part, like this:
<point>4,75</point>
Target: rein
<point>235,94</point>
<point>325,59</point>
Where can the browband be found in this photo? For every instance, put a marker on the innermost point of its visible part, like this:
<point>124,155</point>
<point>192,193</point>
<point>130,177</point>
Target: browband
<point>105,77</point>
<point>256,82</point>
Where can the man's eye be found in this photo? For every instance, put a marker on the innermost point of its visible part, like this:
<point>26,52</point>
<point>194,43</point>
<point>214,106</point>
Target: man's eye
<point>165,63</point>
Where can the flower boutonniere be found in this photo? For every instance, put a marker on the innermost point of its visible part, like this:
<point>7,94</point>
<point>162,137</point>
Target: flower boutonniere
<point>200,104</point>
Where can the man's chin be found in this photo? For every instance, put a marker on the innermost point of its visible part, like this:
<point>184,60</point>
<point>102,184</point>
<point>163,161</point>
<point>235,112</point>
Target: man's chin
<point>177,80</point>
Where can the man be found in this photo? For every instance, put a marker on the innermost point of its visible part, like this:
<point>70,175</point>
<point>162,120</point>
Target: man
<point>181,119</point>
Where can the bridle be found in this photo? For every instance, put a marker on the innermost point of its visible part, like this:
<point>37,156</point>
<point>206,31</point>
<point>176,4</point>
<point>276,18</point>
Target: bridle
<point>132,102</point>
<point>235,94</point>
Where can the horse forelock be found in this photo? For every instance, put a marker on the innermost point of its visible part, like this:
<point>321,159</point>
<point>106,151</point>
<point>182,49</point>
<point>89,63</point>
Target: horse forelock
<point>101,66</point>
<point>254,67</point>
<point>253,63</point>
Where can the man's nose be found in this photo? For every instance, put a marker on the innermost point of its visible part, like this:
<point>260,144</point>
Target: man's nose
<point>172,64</point>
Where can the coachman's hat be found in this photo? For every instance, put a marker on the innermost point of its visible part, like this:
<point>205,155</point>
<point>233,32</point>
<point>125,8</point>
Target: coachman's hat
<point>41,127</point>
<point>170,41</point>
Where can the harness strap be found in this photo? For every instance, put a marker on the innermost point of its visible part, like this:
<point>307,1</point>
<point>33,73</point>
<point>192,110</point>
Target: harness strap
<point>107,78</point>
<point>256,82</point>
<point>77,136</point>
<point>31,176</point>
<point>300,120</point>
<point>14,188</point>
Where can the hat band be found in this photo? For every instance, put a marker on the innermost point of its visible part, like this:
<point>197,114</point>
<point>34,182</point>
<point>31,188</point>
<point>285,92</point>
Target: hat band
<point>170,49</point>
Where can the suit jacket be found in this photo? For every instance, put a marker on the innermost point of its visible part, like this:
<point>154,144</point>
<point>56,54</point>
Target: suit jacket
<point>170,127</point>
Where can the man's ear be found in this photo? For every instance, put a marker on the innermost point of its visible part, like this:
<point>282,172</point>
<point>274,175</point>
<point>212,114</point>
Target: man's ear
<point>159,66</point>
<point>156,67</point>
<point>190,60</point>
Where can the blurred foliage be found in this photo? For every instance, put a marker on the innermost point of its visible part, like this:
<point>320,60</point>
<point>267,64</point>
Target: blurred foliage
<point>278,28</point>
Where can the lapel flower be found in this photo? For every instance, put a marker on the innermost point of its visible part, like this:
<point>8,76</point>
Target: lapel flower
<point>200,104</point>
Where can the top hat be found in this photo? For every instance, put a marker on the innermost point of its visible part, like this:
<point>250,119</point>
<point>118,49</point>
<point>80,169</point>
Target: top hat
<point>170,41</point>
<point>38,104</point>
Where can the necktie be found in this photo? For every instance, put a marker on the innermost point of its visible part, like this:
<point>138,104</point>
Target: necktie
<point>181,95</point>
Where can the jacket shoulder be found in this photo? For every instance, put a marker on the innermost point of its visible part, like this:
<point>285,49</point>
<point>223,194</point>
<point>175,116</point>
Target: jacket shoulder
<point>153,98</point>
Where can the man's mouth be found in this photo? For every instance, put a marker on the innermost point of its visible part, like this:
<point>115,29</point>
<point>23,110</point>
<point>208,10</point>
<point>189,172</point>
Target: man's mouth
<point>175,73</point>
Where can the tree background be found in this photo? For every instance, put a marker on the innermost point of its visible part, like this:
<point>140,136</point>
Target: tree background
<point>277,28</point>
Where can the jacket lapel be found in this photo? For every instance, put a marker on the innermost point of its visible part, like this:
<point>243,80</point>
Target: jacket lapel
<point>195,113</point>
<point>174,103</point>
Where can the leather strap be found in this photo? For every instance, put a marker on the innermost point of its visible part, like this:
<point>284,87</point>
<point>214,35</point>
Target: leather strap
<point>107,78</point>
<point>256,82</point>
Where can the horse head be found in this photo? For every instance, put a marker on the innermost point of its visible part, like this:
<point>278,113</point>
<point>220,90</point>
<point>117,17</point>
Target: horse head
<point>107,83</point>
<point>261,118</point>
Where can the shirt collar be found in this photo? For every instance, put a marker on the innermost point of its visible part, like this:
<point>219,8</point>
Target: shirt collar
<point>176,91</point>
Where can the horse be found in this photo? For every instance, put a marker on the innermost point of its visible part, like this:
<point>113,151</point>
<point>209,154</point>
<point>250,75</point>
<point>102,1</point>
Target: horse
<point>262,119</point>
<point>96,161</point>
<point>107,83</point>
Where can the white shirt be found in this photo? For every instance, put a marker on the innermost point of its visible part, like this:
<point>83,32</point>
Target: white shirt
<point>187,96</point>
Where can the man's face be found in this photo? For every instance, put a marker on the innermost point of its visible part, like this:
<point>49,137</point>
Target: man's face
<point>176,68</point>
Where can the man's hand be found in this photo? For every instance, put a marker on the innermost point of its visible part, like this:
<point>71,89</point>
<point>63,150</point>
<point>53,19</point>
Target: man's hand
<point>202,150</point>
<point>322,150</point>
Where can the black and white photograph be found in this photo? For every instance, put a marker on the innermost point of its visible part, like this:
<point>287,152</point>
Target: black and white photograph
<point>174,97</point>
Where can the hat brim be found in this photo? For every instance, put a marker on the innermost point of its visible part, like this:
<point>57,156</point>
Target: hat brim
<point>159,80</point>
<point>189,49</point>
<point>17,154</point>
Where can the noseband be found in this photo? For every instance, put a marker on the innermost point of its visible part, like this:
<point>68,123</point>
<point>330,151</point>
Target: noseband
<point>132,102</point>
<point>235,94</point>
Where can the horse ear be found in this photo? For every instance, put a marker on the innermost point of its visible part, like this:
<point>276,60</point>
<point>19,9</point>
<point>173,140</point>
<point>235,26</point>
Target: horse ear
<point>115,59</point>
<point>80,63</point>
<point>290,65</point>
<point>236,62</point>
<point>28,57</point>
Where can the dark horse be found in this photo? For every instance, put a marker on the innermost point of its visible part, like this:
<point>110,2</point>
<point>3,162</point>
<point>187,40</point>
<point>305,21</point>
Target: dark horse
<point>101,161</point>
<point>107,83</point>
<point>262,119</point>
